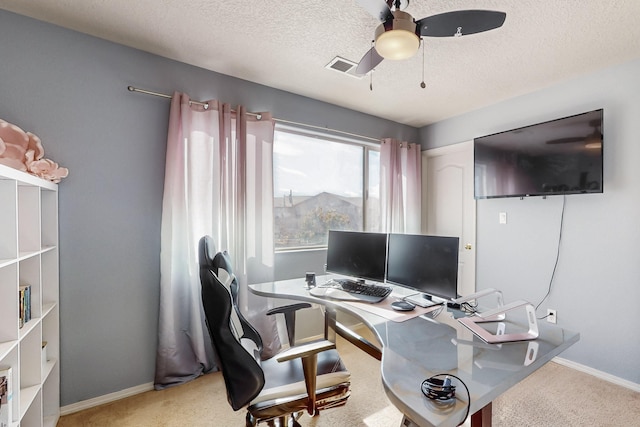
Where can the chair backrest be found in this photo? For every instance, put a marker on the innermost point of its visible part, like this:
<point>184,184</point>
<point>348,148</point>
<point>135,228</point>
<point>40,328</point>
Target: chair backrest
<point>222,268</point>
<point>220,263</point>
<point>242,374</point>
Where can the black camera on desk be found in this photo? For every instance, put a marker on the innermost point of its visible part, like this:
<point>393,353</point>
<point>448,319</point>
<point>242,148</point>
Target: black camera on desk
<point>310,280</point>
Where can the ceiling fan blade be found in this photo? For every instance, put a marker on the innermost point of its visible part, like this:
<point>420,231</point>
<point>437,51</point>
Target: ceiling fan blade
<point>459,23</point>
<point>378,8</point>
<point>369,61</point>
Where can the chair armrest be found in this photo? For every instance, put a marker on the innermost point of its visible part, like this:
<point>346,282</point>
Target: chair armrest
<point>309,355</point>
<point>288,308</point>
<point>289,312</point>
<point>305,350</point>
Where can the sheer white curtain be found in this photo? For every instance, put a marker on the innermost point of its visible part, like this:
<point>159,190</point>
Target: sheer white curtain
<point>400,187</point>
<point>218,181</point>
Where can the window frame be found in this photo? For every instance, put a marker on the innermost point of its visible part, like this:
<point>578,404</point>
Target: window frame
<point>329,136</point>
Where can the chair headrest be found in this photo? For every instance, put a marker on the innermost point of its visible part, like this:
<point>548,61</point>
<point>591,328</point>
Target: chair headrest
<point>222,260</point>
<point>206,251</point>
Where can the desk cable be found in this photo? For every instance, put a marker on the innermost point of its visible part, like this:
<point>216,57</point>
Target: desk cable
<point>469,308</point>
<point>443,391</point>
<point>555,266</point>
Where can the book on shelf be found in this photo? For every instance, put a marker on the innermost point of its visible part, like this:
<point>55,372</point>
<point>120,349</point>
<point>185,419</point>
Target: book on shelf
<point>6,394</point>
<point>25,304</point>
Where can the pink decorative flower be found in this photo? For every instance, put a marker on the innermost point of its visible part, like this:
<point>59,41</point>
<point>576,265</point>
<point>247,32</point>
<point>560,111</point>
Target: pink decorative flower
<point>48,169</point>
<point>35,145</point>
<point>24,151</point>
<point>16,142</point>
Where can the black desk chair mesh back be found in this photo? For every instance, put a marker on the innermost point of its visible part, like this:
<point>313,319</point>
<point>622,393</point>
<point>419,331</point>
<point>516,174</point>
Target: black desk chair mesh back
<point>310,377</point>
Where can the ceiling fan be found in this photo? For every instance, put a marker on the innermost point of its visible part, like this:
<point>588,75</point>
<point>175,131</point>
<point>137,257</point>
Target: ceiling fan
<point>592,140</point>
<point>399,35</point>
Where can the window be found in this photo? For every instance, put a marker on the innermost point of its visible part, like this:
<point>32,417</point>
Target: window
<point>321,183</point>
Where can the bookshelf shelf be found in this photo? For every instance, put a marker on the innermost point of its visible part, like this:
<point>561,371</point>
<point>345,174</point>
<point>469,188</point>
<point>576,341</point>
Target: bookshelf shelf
<point>6,347</point>
<point>5,262</point>
<point>24,255</point>
<point>29,295</point>
<point>27,397</point>
<point>47,308</point>
<point>48,368</point>
<point>28,327</point>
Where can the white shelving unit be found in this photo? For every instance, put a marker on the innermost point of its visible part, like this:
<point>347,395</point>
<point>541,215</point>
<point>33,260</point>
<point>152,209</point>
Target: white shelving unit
<point>29,256</point>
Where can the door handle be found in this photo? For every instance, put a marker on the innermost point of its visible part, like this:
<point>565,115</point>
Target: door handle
<point>468,246</point>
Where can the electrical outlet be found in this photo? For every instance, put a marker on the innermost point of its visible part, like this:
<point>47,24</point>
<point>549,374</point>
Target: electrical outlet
<point>551,316</point>
<point>502,217</point>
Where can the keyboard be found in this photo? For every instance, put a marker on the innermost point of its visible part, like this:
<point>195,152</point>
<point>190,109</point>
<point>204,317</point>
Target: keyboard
<point>351,290</point>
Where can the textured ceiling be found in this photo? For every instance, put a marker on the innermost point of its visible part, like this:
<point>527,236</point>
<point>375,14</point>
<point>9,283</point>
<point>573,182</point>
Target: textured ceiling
<point>287,44</point>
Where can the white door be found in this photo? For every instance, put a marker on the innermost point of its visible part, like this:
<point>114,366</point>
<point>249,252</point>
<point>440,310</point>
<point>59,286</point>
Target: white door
<point>449,204</point>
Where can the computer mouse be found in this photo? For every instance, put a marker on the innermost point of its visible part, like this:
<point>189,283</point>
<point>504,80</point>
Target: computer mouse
<point>402,306</point>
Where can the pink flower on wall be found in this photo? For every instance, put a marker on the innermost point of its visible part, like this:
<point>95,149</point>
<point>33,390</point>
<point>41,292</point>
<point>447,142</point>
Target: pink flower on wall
<point>24,151</point>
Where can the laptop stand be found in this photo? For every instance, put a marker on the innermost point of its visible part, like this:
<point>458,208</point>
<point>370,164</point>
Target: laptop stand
<point>473,322</point>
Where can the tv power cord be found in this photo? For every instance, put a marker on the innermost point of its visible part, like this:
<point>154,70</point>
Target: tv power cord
<point>441,390</point>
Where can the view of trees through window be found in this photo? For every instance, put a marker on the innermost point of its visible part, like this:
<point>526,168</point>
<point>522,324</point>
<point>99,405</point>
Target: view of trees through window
<point>322,184</point>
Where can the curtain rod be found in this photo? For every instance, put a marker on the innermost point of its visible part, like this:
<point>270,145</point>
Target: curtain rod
<point>259,116</point>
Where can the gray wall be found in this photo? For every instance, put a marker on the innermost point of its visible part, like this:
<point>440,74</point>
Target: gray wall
<point>597,282</point>
<point>71,90</point>
<point>290,265</point>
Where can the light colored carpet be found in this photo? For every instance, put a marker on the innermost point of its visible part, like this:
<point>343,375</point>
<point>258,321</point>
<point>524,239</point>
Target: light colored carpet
<point>553,396</point>
<point>559,396</point>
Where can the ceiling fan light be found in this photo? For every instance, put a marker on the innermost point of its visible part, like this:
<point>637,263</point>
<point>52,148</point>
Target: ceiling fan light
<point>593,141</point>
<point>397,44</point>
<point>396,39</point>
<point>593,146</point>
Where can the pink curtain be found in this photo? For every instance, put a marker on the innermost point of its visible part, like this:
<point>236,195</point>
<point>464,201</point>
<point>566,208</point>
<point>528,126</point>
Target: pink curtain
<point>400,187</point>
<point>218,182</point>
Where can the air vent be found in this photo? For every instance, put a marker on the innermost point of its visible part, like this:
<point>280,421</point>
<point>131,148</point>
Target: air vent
<point>343,66</point>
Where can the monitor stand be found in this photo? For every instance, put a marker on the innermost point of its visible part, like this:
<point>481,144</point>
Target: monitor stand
<point>424,300</point>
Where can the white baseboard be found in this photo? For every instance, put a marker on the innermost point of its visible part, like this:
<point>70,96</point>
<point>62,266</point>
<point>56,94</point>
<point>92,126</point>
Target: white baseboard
<point>598,374</point>
<point>107,398</point>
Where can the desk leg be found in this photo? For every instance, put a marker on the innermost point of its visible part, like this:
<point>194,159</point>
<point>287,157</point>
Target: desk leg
<point>482,418</point>
<point>333,327</point>
<point>358,341</point>
<point>330,316</point>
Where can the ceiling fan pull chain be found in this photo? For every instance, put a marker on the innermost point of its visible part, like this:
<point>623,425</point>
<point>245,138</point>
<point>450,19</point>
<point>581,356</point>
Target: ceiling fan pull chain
<point>423,84</point>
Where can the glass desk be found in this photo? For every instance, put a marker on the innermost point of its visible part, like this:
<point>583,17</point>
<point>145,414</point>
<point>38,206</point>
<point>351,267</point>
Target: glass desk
<point>435,343</point>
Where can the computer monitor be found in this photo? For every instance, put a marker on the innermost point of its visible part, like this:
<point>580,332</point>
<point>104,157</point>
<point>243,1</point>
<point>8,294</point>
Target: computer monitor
<point>358,254</point>
<point>427,264</point>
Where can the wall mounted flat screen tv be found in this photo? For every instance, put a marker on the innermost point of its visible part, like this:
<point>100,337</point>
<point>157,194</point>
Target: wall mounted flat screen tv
<point>562,156</point>
<point>358,254</point>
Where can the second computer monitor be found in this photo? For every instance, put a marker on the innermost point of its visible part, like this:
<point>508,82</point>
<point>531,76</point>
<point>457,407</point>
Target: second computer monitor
<point>358,254</point>
<point>428,264</point>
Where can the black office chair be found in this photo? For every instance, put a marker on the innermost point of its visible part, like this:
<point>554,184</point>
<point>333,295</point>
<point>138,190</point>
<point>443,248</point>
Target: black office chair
<point>278,388</point>
<point>220,263</point>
